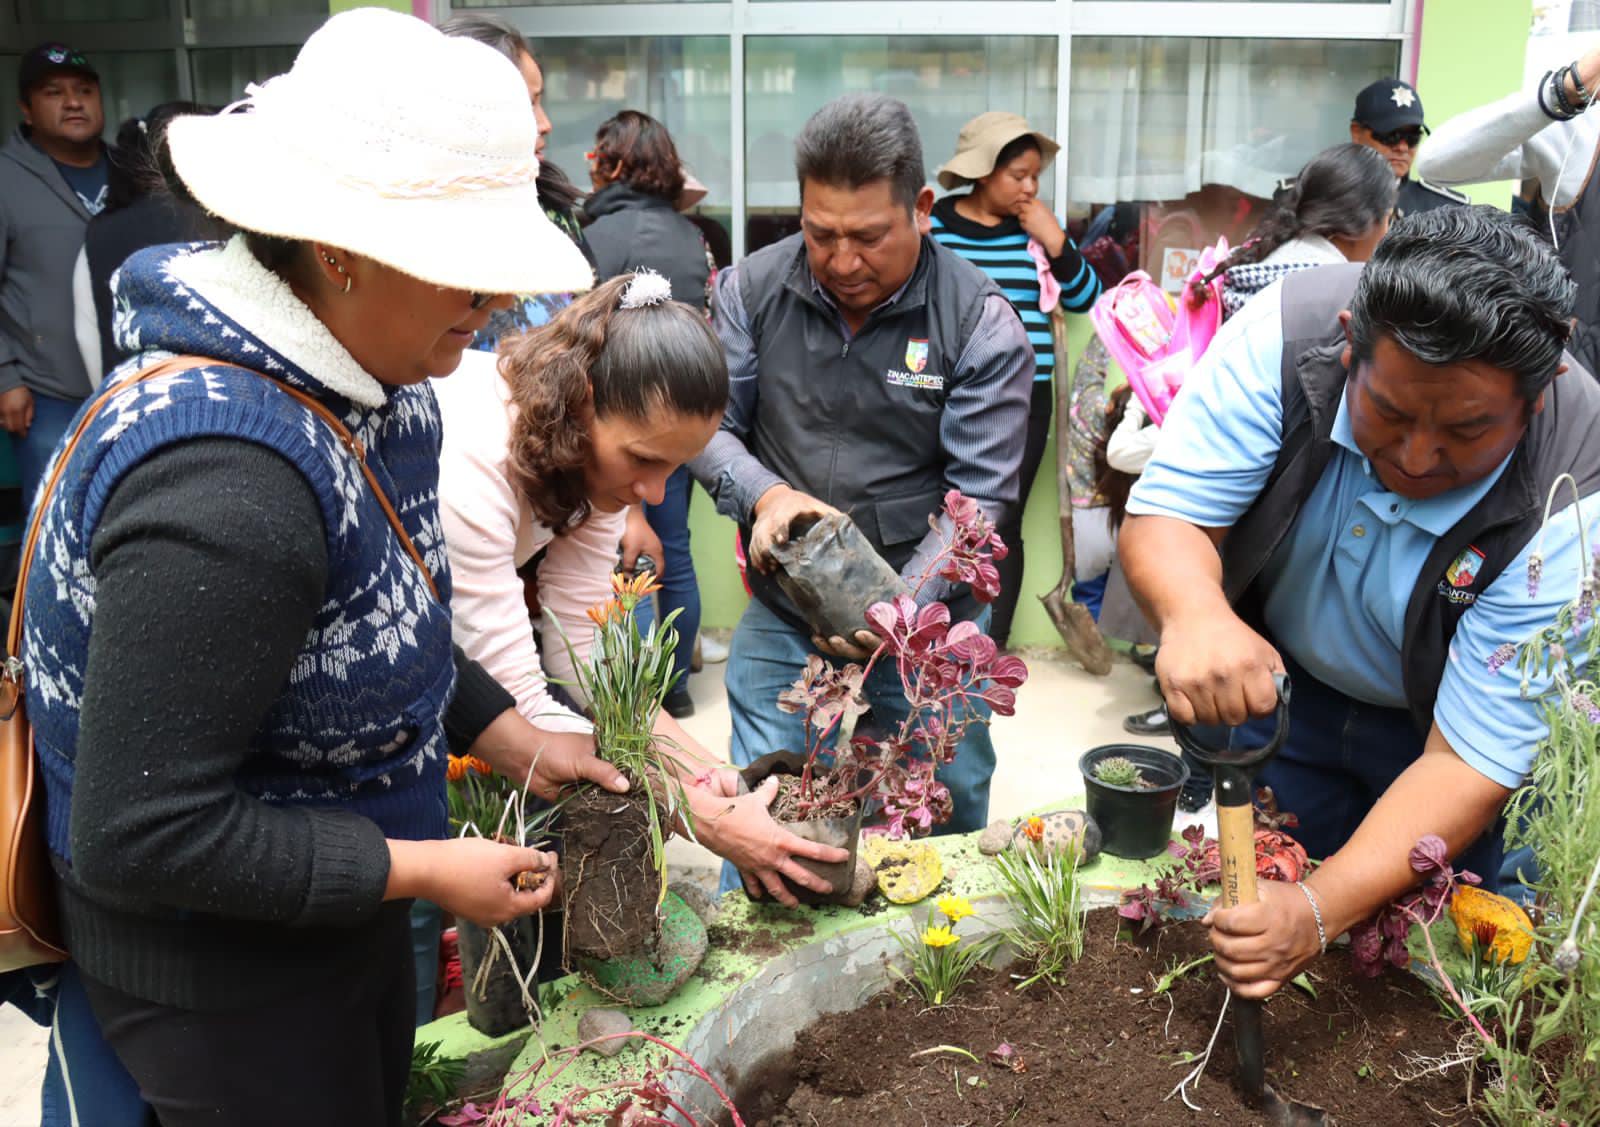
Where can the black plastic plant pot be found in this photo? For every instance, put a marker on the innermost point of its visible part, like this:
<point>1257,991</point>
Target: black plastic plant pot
<point>843,833</point>
<point>1135,821</point>
<point>499,1010</point>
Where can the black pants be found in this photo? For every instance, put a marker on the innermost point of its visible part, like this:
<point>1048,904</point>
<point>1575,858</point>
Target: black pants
<point>336,1054</point>
<point>1005,607</point>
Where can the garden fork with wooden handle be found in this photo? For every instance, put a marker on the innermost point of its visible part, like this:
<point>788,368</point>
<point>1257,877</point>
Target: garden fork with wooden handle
<point>1236,845</point>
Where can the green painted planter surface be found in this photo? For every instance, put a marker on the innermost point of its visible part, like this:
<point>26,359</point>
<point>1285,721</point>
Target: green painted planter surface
<point>775,949</point>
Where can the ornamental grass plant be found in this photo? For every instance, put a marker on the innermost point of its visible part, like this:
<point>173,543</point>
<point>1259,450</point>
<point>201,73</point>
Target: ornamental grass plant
<point>1041,887</point>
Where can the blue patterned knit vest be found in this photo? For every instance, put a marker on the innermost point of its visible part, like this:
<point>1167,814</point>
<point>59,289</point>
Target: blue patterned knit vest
<point>359,723</point>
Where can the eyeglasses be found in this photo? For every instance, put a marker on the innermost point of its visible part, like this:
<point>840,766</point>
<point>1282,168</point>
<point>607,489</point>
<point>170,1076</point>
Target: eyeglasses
<point>1410,134</point>
<point>479,300</point>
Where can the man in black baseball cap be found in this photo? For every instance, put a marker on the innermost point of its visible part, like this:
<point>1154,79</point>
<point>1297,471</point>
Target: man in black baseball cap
<point>51,58</point>
<point>54,173</point>
<point>1388,118</point>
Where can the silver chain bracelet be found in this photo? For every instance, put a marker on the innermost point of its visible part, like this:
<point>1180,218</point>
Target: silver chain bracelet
<point>1316,912</point>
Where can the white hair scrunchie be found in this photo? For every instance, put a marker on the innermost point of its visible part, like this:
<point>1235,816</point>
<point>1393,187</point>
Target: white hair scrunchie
<point>647,288</point>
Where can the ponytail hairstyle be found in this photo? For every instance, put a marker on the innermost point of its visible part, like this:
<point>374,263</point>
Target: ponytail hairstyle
<point>599,359</point>
<point>1340,193</point>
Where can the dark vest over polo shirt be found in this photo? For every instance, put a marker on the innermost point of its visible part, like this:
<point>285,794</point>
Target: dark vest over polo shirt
<point>1499,526</point>
<point>854,421</point>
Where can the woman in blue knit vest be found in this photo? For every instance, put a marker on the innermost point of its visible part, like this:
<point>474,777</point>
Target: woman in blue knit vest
<point>239,665</point>
<point>1002,227</point>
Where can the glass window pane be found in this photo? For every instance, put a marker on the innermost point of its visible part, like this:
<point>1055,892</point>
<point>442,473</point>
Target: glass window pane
<point>682,82</point>
<point>220,75</point>
<point>1198,132</point>
<point>465,4</point>
<point>83,11</point>
<point>945,80</point>
<point>210,10</point>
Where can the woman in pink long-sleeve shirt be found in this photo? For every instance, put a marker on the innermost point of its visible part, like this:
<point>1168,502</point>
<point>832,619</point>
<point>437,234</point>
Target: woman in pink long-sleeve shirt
<point>546,445</point>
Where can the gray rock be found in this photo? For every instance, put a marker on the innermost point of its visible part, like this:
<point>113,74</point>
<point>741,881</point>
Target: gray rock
<point>701,902</point>
<point>605,1023</point>
<point>865,880</point>
<point>995,837</point>
<point>654,975</point>
<point>1057,829</point>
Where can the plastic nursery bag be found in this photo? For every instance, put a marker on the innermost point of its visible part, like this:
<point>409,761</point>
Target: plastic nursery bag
<point>832,575</point>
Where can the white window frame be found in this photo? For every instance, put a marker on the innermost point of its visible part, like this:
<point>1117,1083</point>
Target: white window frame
<point>1380,20</point>
<point>1386,20</point>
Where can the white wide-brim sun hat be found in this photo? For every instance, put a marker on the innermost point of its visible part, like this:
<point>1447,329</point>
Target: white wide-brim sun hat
<point>392,141</point>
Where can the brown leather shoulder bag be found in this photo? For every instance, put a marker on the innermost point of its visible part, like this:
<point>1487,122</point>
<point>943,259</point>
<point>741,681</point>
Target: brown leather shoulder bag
<point>29,929</point>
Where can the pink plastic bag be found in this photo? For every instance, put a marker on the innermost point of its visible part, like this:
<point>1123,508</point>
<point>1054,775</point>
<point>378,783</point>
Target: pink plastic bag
<point>1154,339</point>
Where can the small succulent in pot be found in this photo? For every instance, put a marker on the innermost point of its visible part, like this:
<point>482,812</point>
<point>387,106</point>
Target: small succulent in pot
<point>1118,771</point>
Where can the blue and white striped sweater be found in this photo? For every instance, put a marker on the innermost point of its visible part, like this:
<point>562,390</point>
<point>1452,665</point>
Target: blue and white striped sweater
<point>1002,253</point>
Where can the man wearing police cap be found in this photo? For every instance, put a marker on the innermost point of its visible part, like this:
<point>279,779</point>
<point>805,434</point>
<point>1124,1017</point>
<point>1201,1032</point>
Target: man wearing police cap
<point>1388,118</point>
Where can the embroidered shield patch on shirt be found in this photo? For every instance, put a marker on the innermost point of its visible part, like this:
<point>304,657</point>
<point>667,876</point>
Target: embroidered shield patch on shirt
<point>916,355</point>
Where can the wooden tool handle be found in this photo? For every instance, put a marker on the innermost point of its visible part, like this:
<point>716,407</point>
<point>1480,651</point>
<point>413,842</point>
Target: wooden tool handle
<point>1236,843</point>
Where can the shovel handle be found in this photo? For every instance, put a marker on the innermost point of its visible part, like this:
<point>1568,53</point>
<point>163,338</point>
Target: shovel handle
<point>1195,744</point>
<point>1236,844</point>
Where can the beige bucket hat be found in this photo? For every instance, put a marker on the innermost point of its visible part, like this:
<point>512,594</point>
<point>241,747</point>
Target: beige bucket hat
<point>395,142</point>
<point>980,142</point>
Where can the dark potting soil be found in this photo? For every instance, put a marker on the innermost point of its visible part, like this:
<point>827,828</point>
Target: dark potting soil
<point>607,878</point>
<point>1096,1052</point>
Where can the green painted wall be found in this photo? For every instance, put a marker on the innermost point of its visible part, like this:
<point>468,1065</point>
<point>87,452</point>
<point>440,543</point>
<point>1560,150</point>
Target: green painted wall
<point>1471,53</point>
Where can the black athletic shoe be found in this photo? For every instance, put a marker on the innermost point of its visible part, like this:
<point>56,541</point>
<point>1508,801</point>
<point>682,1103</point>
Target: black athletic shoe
<point>679,704</point>
<point>1152,723</point>
<point>1144,657</point>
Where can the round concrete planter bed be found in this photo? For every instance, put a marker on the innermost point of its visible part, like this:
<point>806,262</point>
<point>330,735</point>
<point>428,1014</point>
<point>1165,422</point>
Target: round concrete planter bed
<point>770,972</point>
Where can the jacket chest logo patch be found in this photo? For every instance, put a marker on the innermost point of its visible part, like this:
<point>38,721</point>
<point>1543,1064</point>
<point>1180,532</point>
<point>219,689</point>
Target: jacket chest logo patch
<point>916,355</point>
<point>915,374</point>
<point>1460,575</point>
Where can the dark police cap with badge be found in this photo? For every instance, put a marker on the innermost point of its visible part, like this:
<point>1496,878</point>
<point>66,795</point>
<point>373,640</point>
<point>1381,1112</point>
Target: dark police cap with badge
<point>1392,111</point>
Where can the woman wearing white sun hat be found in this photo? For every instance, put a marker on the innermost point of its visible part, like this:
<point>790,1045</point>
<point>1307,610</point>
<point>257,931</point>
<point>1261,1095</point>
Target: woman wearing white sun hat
<point>240,673</point>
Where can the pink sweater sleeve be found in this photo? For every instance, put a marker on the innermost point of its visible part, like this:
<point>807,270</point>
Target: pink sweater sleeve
<point>489,534</point>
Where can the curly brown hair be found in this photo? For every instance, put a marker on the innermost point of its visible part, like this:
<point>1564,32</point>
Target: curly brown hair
<point>597,359</point>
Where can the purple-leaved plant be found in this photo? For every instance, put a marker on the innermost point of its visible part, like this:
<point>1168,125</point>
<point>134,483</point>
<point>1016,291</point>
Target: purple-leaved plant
<point>946,670</point>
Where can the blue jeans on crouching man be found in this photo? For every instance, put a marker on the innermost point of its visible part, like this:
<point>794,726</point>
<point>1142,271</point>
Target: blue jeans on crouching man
<point>767,656</point>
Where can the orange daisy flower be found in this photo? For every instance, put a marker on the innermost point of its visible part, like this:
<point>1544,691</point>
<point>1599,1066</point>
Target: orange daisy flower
<point>1033,829</point>
<point>456,768</point>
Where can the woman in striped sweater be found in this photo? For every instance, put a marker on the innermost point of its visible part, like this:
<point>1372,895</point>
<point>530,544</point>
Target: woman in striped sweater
<point>1002,227</point>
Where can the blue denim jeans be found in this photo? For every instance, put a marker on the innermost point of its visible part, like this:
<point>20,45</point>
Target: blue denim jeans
<point>680,588</point>
<point>51,418</point>
<point>1340,756</point>
<point>765,658</point>
<point>85,1085</point>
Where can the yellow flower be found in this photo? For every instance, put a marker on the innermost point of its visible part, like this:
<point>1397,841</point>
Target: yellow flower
<point>955,908</point>
<point>1033,829</point>
<point>938,937</point>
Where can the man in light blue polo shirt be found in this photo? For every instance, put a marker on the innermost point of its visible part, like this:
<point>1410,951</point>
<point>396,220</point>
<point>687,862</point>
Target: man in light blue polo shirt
<point>1350,488</point>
